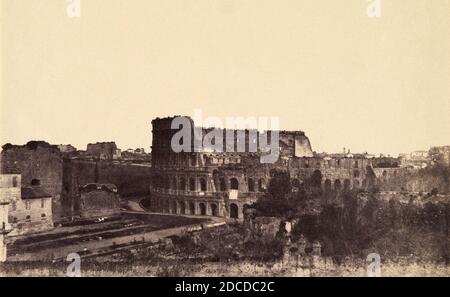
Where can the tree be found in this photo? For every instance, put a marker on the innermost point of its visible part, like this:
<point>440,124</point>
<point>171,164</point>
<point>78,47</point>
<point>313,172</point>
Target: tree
<point>279,185</point>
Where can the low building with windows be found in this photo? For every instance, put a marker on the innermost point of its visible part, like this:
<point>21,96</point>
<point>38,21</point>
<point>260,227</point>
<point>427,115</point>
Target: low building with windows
<point>30,210</point>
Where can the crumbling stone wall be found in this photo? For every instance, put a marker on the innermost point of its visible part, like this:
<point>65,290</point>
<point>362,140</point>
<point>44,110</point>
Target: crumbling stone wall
<point>130,179</point>
<point>102,150</point>
<point>413,180</point>
<point>99,200</point>
<point>37,162</point>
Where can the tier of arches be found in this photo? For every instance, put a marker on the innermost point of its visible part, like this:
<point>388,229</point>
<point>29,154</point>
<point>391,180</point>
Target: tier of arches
<point>329,185</point>
<point>201,208</point>
<point>203,184</point>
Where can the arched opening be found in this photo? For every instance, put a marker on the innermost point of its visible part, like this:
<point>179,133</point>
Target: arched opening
<point>202,208</point>
<point>35,182</point>
<point>234,211</point>
<point>223,185</point>
<point>244,208</point>
<point>356,173</point>
<point>347,185</point>
<point>213,209</point>
<point>301,188</point>
<point>193,160</point>
<point>327,186</point>
<point>157,182</point>
<point>356,184</point>
<point>234,184</point>
<point>364,183</point>
<point>182,207</point>
<point>174,207</point>
<point>295,184</point>
<point>182,184</point>
<point>192,208</point>
<point>166,206</point>
<point>261,185</point>
<point>316,179</point>
<point>203,184</point>
<point>251,185</point>
<point>337,185</point>
<point>192,184</point>
<point>174,183</point>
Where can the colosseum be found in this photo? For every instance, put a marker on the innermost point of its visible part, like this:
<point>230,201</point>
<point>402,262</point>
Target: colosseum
<point>219,183</point>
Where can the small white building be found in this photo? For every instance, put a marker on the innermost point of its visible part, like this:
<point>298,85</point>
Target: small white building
<point>9,191</point>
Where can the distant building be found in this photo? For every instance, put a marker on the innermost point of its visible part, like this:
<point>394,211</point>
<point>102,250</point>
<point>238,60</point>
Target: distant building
<point>139,151</point>
<point>67,148</point>
<point>136,156</point>
<point>440,155</point>
<point>103,150</point>
<point>416,159</point>
<point>385,162</point>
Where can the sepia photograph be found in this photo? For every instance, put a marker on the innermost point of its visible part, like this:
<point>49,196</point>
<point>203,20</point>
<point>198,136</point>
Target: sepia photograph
<point>220,139</point>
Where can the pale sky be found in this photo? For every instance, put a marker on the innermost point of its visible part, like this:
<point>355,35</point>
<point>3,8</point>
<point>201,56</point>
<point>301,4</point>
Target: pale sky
<point>322,66</point>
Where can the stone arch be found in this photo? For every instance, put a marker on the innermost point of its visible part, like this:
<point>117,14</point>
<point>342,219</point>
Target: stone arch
<point>192,186</point>
<point>174,207</point>
<point>202,184</point>
<point>202,207</point>
<point>337,185</point>
<point>316,179</point>
<point>166,206</point>
<point>214,209</point>
<point>347,185</point>
<point>261,185</point>
<point>251,185</point>
<point>244,208</point>
<point>193,160</point>
<point>191,208</point>
<point>234,183</point>
<point>182,183</point>
<point>234,211</point>
<point>327,185</point>
<point>182,207</point>
<point>295,184</point>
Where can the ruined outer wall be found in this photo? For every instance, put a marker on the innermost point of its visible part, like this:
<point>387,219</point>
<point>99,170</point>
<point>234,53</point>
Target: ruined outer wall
<point>412,180</point>
<point>130,179</point>
<point>295,144</point>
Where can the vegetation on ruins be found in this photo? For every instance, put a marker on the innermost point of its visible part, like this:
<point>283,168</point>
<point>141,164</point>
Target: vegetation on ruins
<point>363,221</point>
